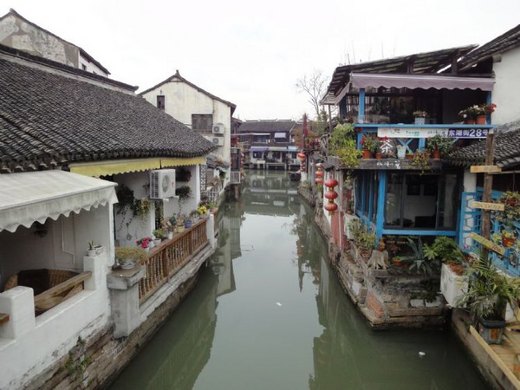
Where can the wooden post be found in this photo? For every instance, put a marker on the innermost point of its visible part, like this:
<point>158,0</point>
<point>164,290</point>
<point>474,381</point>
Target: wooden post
<point>485,222</point>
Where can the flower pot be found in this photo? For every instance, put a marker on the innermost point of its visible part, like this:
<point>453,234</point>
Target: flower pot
<point>481,120</point>
<point>491,330</point>
<point>508,242</point>
<point>91,252</point>
<point>409,156</point>
<point>379,156</point>
<point>170,235</point>
<point>401,152</point>
<point>469,121</point>
<point>188,223</point>
<point>420,120</point>
<point>157,241</point>
<point>436,154</point>
<point>366,154</point>
<point>127,264</point>
<point>99,249</point>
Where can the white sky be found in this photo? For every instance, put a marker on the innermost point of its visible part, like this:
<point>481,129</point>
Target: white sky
<point>252,53</point>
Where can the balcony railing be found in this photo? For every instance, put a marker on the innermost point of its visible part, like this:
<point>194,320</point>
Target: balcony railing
<point>169,257</point>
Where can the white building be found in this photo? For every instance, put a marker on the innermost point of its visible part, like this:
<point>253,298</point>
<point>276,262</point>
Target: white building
<point>198,109</point>
<point>22,34</point>
<point>500,57</point>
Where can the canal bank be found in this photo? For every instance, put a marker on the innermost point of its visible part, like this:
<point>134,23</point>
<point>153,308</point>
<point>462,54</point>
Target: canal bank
<point>269,313</point>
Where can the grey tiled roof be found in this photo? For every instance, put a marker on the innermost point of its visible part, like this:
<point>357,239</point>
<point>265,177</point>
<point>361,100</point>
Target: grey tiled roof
<point>505,42</point>
<point>507,151</point>
<point>48,118</point>
<point>266,126</point>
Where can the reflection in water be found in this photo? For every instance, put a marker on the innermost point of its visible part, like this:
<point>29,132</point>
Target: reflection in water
<point>283,321</point>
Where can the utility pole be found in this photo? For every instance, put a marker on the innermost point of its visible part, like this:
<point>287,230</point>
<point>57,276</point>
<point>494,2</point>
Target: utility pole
<point>485,222</point>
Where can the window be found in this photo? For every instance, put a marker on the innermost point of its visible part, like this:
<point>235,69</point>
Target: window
<point>83,66</point>
<point>202,122</point>
<point>416,201</point>
<point>161,102</point>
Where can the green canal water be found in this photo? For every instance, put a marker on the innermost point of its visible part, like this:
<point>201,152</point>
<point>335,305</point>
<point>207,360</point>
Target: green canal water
<point>268,313</point>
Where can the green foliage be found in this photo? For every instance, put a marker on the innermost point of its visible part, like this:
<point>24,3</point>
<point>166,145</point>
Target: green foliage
<point>363,239</point>
<point>183,192</point>
<point>342,143</point>
<point>421,160</point>
<point>418,261</point>
<point>490,291</point>
<point>511,213</point>
<point>445,250</point>
<point>443,144</point>
<point>130,253</point>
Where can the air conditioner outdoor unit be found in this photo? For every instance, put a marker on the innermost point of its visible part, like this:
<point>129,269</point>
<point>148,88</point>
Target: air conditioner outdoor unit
<point>218,141</point>
<point>218,128</point>
<point>162,184</point>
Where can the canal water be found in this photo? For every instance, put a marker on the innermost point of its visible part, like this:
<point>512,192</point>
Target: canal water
<point>268,313</point>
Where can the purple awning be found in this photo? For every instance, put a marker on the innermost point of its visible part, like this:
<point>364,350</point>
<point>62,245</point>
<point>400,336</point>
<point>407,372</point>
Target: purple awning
<point>412,81</point>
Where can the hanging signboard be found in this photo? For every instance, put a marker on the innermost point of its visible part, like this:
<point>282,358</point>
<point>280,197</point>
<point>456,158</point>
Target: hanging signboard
<point>428,132</point>
<point>488,243</point>
<point>484,169</point>
<point>486,206</point>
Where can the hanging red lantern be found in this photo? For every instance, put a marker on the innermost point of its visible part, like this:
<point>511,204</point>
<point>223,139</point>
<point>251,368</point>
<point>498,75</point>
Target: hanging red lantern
<point>318,180</point>
<point>319,174</point>
<point>331,207</point>
<point>331,183</point>
<point>331,195</point>
<point>301,156</point>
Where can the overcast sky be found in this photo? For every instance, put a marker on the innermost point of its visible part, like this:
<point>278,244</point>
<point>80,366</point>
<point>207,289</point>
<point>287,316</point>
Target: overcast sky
<point>252,53</point>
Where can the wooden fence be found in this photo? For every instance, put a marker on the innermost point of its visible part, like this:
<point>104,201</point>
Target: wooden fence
<point>169,257</point>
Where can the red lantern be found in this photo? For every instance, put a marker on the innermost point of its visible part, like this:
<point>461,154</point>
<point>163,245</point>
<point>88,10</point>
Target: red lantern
<point>331,207</point>
<point>331,195</point>
<point>331,183</point>
<point>301,156</point>
<point>318,180</point>
<point>319,174</point>
<point>319,166</point>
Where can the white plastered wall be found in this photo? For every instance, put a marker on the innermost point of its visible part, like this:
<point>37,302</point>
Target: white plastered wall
<point>507,84</point>
<point>182,100</point>
<point>61,247</point>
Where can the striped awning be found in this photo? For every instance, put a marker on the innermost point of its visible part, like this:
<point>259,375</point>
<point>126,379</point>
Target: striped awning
<point>31,197</point>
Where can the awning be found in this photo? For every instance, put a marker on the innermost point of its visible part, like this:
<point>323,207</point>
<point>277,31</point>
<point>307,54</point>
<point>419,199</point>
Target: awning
<point>31,197</point>
<point>280,135</point>
<point>278,148</point>
<point>412,81</point>
<point>292,148</point>
<point>114,167</point>
<point>258,149</point>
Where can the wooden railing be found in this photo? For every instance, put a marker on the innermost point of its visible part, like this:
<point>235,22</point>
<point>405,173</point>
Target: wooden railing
<point>169,257</point>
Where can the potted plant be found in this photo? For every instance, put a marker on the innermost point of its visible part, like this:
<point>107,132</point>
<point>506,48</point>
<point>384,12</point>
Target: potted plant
<point>401,152</point>
<point>342,143</point>
<point>420,117</point>
<point>159,235</point>
<point>421,160</point>
<point>91,249</point>
<point>508,238</point>
<point>418,261</point>
<point>445,250</point>
<point>439,146</point>
<point>370,145</point>
<point>145,243</point>
<point>128,257</point>
<point>487,297</point>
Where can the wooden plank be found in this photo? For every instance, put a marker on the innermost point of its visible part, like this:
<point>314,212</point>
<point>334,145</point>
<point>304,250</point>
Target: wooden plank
<point>486,205</point>
<point>4,318</point>
<point>488,243</point>
<point>485,169</point>
<point>62,287</point>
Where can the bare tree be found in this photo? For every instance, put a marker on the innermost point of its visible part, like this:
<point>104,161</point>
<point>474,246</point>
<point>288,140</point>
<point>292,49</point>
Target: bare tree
<point>314,86</point>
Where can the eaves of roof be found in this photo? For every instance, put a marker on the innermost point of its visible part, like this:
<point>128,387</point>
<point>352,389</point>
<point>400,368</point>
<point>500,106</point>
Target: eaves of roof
<point>178,77</point>
<point>82,51</point>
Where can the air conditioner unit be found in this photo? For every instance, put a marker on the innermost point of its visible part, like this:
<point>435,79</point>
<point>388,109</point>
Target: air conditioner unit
<point>162,184</point>
<point>218,141</point>
<point>218,128</point>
